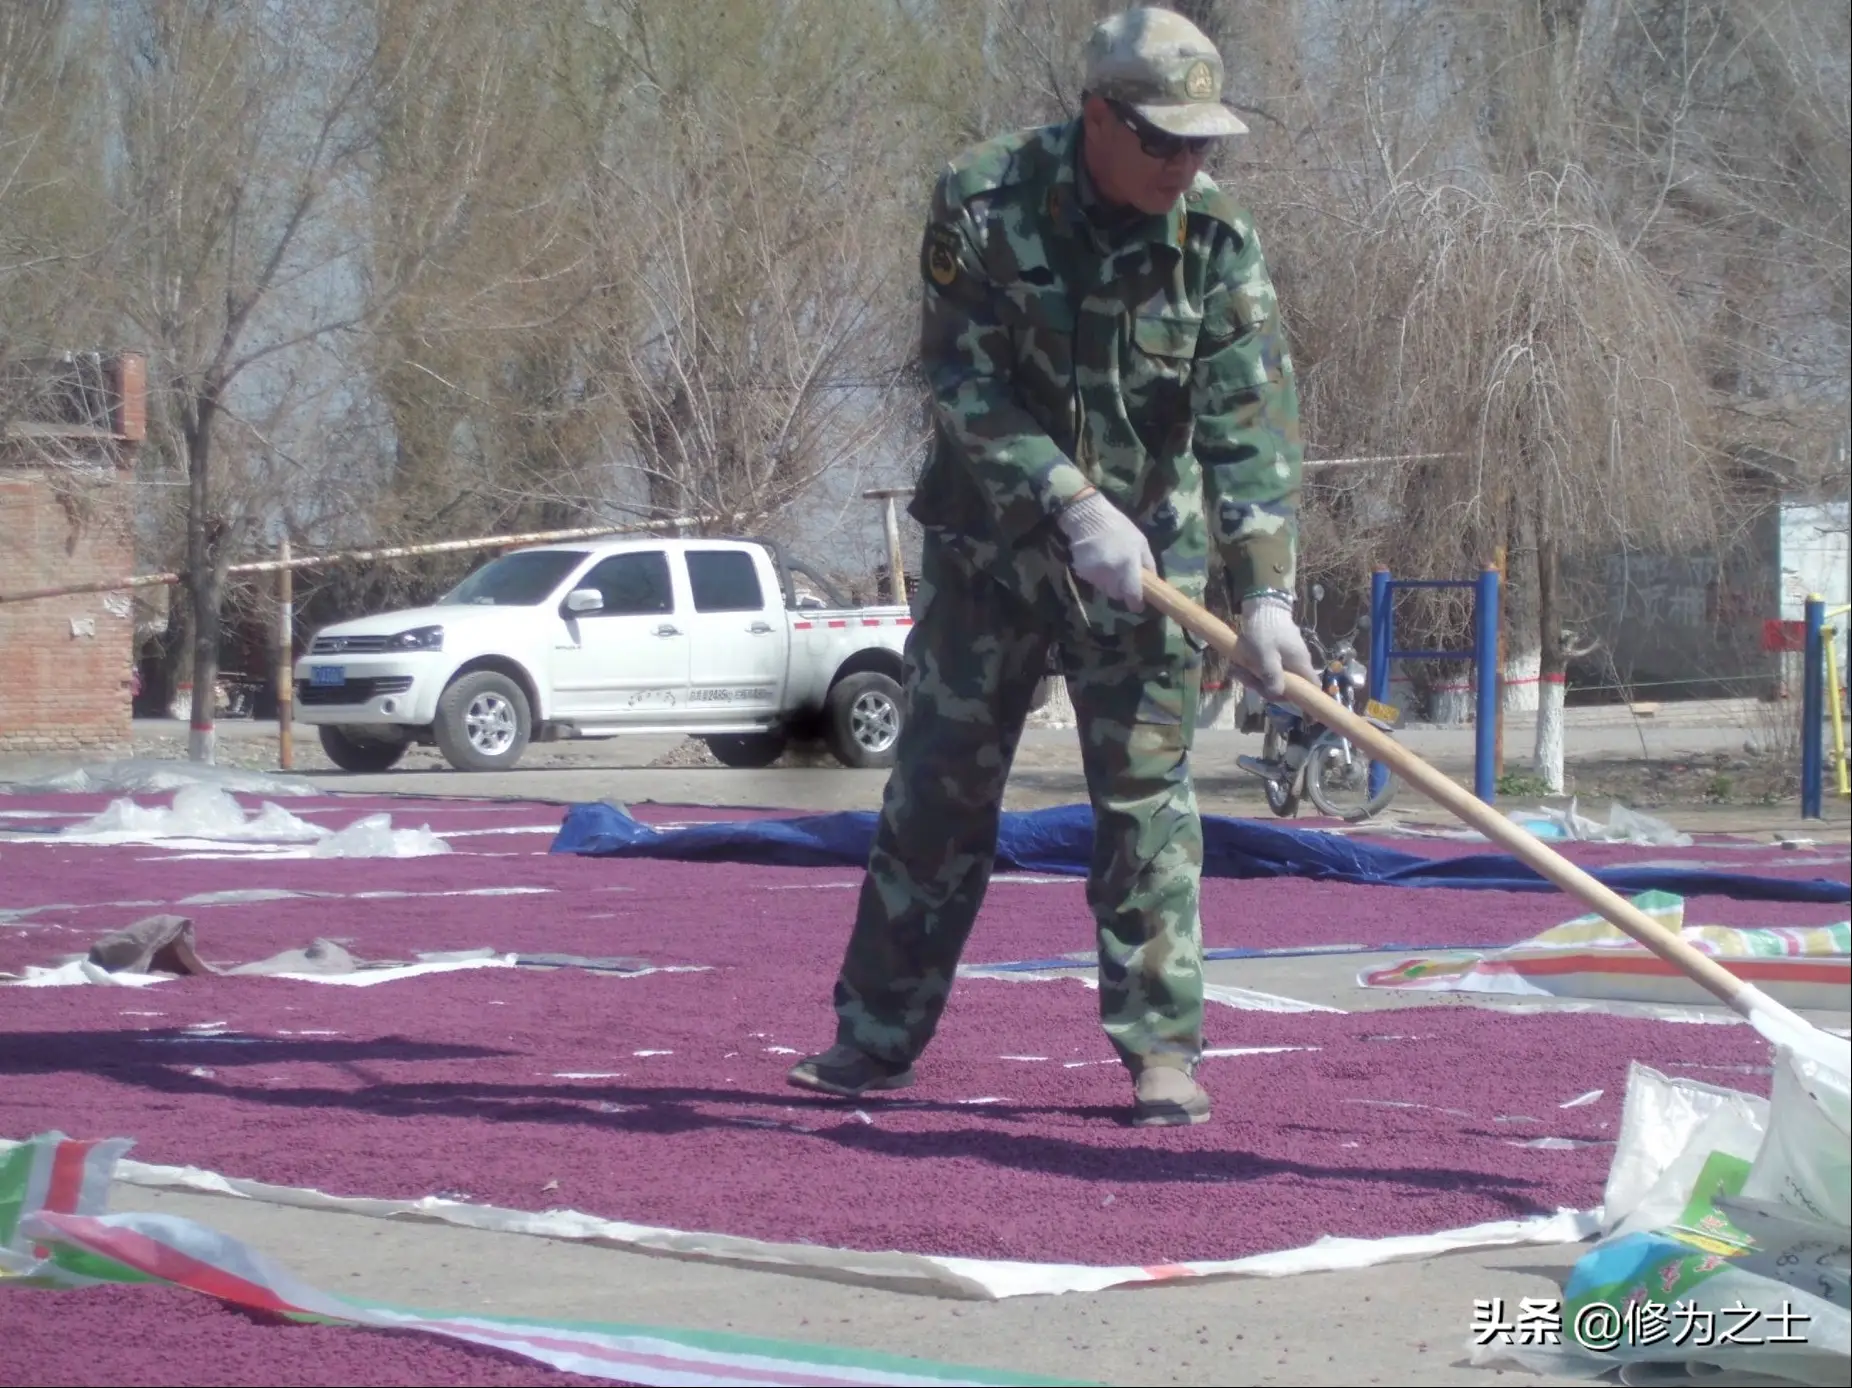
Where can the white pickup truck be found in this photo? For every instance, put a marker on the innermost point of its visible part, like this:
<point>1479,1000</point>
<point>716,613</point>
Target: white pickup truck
<point>709,638</point>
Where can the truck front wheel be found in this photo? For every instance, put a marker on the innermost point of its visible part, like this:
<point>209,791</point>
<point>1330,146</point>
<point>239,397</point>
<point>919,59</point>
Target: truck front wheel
<point>748,751</point>
<point>865,715</point>
<point>483,722</point>
<point>352,753</point>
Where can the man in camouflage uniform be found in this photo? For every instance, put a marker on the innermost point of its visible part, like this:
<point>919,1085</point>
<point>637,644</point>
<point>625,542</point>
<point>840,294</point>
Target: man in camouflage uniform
<point>1113,393</point>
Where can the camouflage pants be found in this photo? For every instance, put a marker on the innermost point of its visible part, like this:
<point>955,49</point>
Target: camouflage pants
<point>973,659</point>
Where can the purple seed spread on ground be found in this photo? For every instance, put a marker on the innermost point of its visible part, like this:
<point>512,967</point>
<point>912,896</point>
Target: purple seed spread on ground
<point>726,912</point>
<point>454,1082</point>
<point>677,1113</point>
<point>450,1082</point>
<point>1022,920</point>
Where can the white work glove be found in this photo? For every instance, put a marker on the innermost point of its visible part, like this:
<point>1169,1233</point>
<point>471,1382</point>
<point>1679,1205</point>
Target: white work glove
<point>1270,644</point>
<point>1106,549</point>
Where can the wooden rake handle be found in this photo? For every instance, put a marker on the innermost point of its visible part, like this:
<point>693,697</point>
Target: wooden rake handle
<point>1743,997</point>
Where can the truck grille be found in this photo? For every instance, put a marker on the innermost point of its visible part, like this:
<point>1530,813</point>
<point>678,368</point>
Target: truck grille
<point>347,645</point>
<point>353,692</point>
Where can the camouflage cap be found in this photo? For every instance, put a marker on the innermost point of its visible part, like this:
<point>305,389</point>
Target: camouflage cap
<point>1161,65</point>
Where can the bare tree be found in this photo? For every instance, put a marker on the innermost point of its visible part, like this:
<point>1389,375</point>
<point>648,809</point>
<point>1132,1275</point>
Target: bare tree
<point>715,232</point>
<point>245,145</point>
<point>52,229</point>
<point>761,356</point>
<point>1483,218</point>
<point>477,250</point>
<point>1523,338</point>
<point>527,263</point>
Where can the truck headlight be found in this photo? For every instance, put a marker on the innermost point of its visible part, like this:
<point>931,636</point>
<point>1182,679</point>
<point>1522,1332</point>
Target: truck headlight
<point>418,639</point>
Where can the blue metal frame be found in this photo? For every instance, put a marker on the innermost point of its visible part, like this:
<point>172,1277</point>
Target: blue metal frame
<point>1483,654</point>
<point>1813,710</point>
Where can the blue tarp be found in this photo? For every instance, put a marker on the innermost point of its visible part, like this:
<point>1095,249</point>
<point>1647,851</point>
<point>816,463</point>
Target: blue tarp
<point>1060,840</point>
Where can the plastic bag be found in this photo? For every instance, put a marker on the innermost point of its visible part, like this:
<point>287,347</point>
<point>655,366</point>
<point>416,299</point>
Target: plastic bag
<point>1668,1128</point>
<point>200,811</point>
<point>1556,825</point>
<point>1630,826</point>
<point>1623,826</point>
<point>1700,1269</point>
<point>1805,1162</point>
<point>374,837</point>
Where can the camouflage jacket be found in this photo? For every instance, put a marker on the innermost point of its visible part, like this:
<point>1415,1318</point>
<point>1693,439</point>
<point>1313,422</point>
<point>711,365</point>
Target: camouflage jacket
<point>1152,364</point>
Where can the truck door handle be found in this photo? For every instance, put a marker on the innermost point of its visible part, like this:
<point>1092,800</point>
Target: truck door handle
<point>760,628</point>
<point>666,629</point>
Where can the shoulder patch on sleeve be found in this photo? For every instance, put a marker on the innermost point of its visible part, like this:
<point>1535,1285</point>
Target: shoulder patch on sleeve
<point>940,254</point>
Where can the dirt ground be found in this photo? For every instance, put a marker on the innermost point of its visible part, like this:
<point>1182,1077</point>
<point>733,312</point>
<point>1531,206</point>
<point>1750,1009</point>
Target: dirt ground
<point>1715,778</point>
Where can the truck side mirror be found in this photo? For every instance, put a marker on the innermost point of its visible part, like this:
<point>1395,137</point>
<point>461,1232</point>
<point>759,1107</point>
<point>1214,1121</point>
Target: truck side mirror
<point>584,600</point>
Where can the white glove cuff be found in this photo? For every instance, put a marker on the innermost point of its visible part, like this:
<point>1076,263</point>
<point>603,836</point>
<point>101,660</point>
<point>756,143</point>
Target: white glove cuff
<point>1088,517</point>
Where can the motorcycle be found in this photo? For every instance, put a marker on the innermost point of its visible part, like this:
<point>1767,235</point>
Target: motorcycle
<point>1302,757</point>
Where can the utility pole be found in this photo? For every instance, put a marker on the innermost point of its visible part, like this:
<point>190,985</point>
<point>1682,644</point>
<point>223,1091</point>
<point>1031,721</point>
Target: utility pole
<point>1498,758</point>
<point>896,566</point>
<point>286,641</point>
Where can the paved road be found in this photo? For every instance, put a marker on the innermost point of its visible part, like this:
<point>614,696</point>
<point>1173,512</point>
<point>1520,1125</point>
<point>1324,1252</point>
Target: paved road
<point>1404,1324</point>
<point>1046,772</point>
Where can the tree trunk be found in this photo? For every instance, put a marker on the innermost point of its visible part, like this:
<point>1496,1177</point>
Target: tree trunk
<point>1552,661</point>
<point>202,581</point>
<point>176,647</point>
<point>1518,611</point>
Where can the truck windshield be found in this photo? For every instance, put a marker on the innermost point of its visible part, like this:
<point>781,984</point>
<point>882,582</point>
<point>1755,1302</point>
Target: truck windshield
<point>516,580</point>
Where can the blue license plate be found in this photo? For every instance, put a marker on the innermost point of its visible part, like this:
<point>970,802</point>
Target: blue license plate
<point>321,676</point>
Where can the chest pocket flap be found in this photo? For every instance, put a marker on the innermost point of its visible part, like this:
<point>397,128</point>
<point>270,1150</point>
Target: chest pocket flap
<point>1034,308</point>
<point>1169,335</point>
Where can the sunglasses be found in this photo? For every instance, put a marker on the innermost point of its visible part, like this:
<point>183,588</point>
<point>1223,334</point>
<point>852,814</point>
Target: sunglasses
<point>1159,144</point>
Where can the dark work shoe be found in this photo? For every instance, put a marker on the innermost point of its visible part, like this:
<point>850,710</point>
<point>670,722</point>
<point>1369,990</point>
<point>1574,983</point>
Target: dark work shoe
<point>1164,1096</point>
<point>844,1070</point>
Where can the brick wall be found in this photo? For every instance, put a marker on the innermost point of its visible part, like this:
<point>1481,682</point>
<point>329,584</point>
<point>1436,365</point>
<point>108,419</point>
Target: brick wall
<point>64,662</point>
